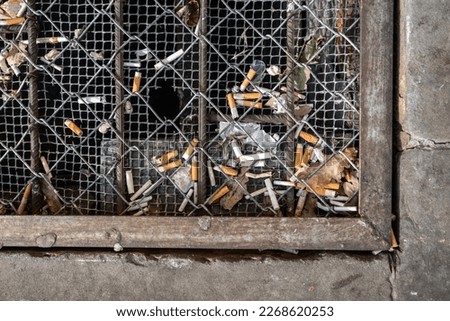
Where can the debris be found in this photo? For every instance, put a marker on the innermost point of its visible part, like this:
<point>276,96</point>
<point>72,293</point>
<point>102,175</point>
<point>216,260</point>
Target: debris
<point>52,54</point>
<point>53,40</point>
<point>12,9</point>
<point>352,186</point>
<point>169,59</point>
<point>25,199</point>
<point>190,13</point>
<point>104,127</point>
<point>236,149</point>
<point>136,64</point>
<point>73,127</point>
<point>140,191</point>
<point>136,82</point>
<point>274,70</point>
<point>236,193</point>
<point>183,178</point>
<point>128,107</point>
<point>97,55</point>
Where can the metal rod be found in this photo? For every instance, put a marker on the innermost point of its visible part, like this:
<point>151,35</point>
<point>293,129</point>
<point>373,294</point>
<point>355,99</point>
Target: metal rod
<point>290,141</point>
<point>203,84</point>
<point>33,105</point>
<point>119,115</point>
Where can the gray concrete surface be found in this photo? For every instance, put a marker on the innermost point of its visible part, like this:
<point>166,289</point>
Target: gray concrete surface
<point>136,276</point>
<point>419,271</point>
<point>423,272</point>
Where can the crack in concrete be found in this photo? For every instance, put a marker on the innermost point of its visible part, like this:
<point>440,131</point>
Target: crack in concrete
<point>413,142</point>
<point>394,265</point>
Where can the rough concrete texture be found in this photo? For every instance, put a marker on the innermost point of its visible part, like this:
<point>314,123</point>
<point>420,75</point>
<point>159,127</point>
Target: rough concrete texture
<point>425,73</point>
<point>423,272</point>
<point>136,276</point>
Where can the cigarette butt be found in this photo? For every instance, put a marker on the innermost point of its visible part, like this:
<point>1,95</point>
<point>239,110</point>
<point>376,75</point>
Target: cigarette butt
<point>140,206</point>
<point>249,103</point>
<point>232,105</point>
<point>12,22</point>
<point>22,10</point>
<point>260,175</point>
<point>164,159</point>
<point>347,175</point>
<point>24,201</point>
<point>46,167</point>
<point>345,208</point>
<point>212,179</point>
<point>236,149</point>
<point>137,82</point>
<point>247,96</point>
<point>227,170</point>
<point>394,243</point>
<point>333,186</point>
<point>298,156</point>
<point>190,149</point>
<point>142,212</point>
<point>252,163</point>
<point>130,183</point>
<point>169,166</point>
<point>307,155</point>
<point>195,192</point>
<point>250,75</point>
<point>301,202</point>
<point>5,78</point>
<point>272,195</point>
<point>73,127</point>
<point>194,169</point>
<point>186,200</point>
<point>324,192</point>
<point>255,157</point>
<point>336,203</point>
<point>309,137</point>
<point>169,59</point>
<point>218,194</point>
<point>16,70</point>
<point>256,193</point>
<point>284,183</point>
<point>132,64</point>
<point>141,191</point>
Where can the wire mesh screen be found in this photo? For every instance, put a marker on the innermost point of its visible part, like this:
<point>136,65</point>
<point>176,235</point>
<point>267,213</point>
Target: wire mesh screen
<point>180,107</point>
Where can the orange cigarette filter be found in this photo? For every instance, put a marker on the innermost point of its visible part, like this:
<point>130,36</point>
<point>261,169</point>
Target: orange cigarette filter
<point>194,169</point>
<point>250,103</point>
<point>256,95</point>
<point>229,171</point>
<point>309,138</point>
<point>307,155</point>
<point>333,186</point>
<point>190,149</point>
<point>164,159</point>
<point>15,21</point>
<point>73,127</point>
<point>137,82</point>
<point>250,75</point>
<point>394,243</point>
<point>219,194</point>
<point>169,166</point>
<point>298,156</point>
<point>25,198</point>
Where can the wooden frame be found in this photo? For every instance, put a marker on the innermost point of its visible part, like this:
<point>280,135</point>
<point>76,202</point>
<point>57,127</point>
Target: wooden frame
<point>370,232</point>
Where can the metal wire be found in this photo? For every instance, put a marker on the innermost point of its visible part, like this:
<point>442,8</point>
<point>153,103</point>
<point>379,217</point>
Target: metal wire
<point>143,79</point>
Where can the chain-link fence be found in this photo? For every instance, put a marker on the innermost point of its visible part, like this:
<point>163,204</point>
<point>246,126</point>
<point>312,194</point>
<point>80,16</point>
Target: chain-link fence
<point>242,108</point>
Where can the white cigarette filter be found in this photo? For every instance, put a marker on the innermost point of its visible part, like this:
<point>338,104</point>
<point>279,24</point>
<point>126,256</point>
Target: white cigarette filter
<point>130,183</point>
<point>256,193</point>
<point>236,149</point>
<point>259,175</point>
<point>48,40</point>
<point>92,100</point>
<point>141,190</point>
<point>190,149</point>
<point>185,200</point>
<point>255,157</point>
<point>212,179</point>
<point>272,195</point>
<point>169,59</point>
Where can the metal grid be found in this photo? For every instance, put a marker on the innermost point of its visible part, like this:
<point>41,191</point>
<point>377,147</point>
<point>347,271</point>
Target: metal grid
<point>311,48</point>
